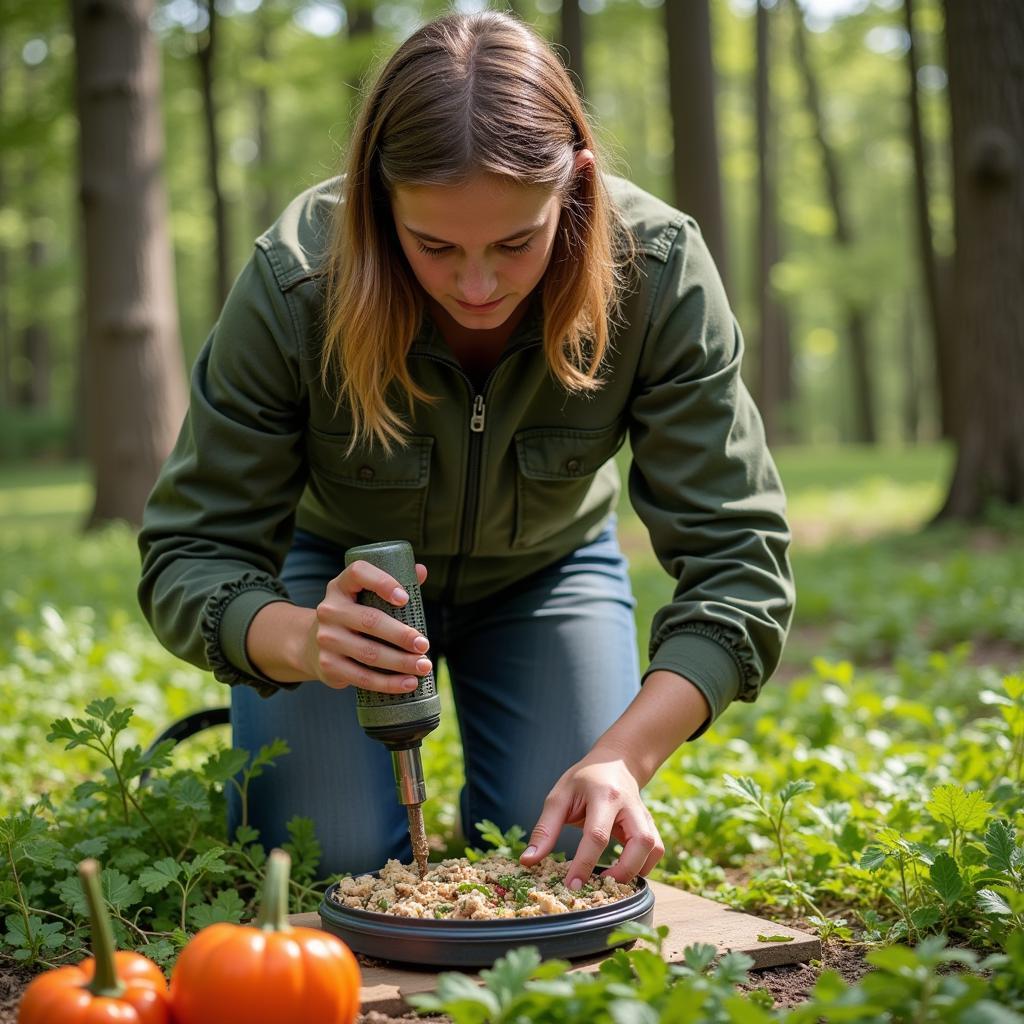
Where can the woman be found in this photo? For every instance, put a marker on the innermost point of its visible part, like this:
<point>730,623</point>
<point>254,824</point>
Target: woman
<point>448,344</point>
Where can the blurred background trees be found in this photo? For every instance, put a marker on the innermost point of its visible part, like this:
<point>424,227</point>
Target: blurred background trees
<point>812,140</point>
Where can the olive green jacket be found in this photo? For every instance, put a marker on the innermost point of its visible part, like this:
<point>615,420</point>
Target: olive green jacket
<point>491,486</point>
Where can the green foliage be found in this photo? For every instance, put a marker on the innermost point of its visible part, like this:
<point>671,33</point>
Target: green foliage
<point>637,986</point>
<point>503,844</point>
<point>875,792</point>
<point>169,868</point>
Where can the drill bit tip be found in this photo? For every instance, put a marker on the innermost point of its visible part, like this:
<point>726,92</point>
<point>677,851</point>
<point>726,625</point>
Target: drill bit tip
<point>418,835</point>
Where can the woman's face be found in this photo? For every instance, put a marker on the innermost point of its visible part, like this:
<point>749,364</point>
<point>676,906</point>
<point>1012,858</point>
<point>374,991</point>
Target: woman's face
<point>483,244</point>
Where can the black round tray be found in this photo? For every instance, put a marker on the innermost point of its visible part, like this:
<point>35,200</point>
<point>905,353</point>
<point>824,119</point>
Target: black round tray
<point>446,943</point>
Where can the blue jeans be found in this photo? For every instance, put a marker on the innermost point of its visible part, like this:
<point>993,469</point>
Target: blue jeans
<point>538,672</point>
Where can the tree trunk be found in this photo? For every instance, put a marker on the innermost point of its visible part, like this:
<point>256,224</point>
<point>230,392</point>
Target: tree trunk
<point>856,318</point>
<point>6,344</point>
<point>571,38</point>
<point>775,365</point>
<point>136,383</point>
<point>937,303</point>
<point>691,85</point>
<point>206,52</point>
<point>34,387</point>
<point>266,206</point>
<point>911,404</point>
<point>985,52</point>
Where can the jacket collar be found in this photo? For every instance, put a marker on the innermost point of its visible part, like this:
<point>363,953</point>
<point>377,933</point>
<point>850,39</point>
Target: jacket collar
<point>530,331</point>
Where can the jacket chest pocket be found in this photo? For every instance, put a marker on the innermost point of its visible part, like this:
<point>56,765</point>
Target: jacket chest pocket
<point>556,480</point>
<point>373,495</point>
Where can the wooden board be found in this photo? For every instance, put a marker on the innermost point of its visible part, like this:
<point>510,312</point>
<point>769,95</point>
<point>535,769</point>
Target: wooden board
<point>690,919</point>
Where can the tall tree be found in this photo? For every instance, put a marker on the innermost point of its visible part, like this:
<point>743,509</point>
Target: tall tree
<point>266,204</point>
<point>33,382</point>
<point>136,383</point>
<point>985,54</point>
<point>691,93</point>
<point>6,384</point>
<point>570,35</point>
<point>936,298</point>
<point>865,430</point>
<point>206,51</point>
<point>775,361</point>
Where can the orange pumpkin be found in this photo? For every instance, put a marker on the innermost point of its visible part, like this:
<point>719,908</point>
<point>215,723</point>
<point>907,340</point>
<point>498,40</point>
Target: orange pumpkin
<point>108,986</point>
<point>269,973</point>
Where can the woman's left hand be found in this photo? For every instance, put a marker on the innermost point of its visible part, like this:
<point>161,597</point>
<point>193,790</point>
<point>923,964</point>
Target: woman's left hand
<point>601,795</point>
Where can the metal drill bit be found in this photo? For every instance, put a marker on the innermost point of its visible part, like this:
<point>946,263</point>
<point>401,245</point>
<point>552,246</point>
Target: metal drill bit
<point>418,835</point>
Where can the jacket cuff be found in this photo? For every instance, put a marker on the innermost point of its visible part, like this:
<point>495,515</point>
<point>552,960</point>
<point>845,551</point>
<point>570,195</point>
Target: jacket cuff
<point>708,664</point>
<point>225,623</point>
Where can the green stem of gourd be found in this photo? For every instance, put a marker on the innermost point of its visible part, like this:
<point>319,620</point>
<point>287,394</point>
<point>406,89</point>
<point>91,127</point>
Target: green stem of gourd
<point>274,908</point>
<point>105,981</point>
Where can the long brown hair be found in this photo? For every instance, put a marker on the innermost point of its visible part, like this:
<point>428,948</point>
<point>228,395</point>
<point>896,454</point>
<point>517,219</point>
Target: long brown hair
<point>465,94</point>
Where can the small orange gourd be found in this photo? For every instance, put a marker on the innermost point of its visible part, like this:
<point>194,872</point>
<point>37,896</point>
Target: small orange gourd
<point>267,973</point>
<point>120,986</point>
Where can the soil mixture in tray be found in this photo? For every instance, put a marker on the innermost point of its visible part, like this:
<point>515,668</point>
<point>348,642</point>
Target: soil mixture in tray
<point>492,887</point>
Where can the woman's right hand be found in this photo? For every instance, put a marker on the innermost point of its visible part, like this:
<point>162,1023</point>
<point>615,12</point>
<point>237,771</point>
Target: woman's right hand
<point>351,644</point>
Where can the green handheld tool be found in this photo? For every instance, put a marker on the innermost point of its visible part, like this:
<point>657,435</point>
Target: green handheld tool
<point>401,720</point>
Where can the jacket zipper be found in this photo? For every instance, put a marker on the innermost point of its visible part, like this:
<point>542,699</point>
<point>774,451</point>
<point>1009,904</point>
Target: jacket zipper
<point>477,421</point>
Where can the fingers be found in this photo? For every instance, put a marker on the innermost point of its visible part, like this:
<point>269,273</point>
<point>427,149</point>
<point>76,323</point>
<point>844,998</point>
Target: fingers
<point>341,604</point>
<point>338,672</point>
<point>597,834</point>
<point>642,846</point>
<point>362,575</point>
<point>360,645</point>
<point>549,824</point>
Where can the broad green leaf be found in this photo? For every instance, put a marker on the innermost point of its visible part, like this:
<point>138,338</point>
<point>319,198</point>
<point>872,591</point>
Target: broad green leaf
<point>120,891</point>
<point>246,834</point>
<point>743,1011</point>
<point>506,979</point>
<point>954,806</point>
<point>189,794</point>
<point>226,906</point>
<point>638,930</point>
<point>94,846</point>
<point>893,959</point>
<point>632,1011</point>
<point>892,842</point>
<point>651,971</point>
<point>461,998</point>
<point>732,968</point>
<point>162,874</point>
<point>873,858</point>
<point>225,764</point>
<point>209,861</point>
<point>1000,841</point>
<point>946,878</point>
<point>990,902</point>
<point>925,917</point>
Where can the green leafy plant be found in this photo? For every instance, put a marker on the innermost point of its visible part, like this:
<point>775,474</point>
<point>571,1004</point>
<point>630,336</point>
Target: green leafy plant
<point>504,844</point>
<point>135,810</point>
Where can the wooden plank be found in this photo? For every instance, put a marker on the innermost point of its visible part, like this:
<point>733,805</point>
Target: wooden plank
<point>690,919</point>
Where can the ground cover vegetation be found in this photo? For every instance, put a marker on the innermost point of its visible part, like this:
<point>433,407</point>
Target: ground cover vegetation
<point>874,794</point>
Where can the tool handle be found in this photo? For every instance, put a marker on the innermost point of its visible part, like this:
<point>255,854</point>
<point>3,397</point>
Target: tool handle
<point>396,716</point>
